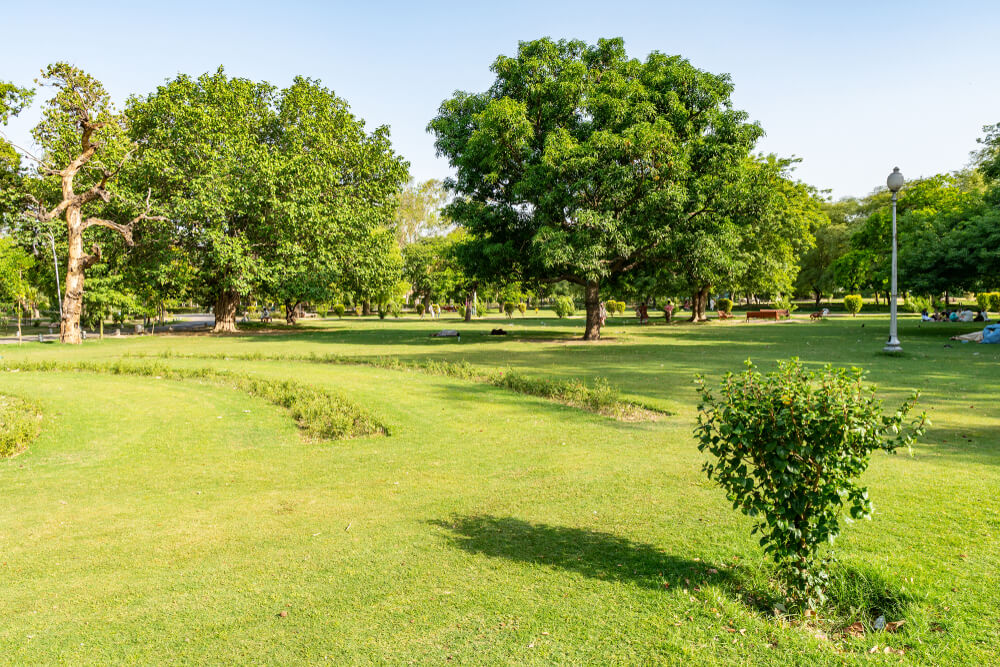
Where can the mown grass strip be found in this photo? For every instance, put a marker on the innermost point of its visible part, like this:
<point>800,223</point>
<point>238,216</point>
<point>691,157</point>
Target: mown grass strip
<point>601,397</point>
<point>319,413</point>
<point>20,423</point>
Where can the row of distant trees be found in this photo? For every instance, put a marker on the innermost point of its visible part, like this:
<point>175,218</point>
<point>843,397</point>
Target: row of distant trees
<point>578,166</point>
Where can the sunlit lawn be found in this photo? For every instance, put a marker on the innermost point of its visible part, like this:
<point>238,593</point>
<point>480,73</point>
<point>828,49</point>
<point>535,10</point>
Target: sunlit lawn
<point>172,521</point>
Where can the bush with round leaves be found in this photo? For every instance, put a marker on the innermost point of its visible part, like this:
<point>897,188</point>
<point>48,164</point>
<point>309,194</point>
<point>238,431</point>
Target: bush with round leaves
<point>420,309</point>
<point>460,309</point>
<point>522,307</point>
<point>724,305</point>
<point>563,307</point>
<point>788,448</point>
<point>852,303</point>
<point>339,309</point>
<point>508,308</point>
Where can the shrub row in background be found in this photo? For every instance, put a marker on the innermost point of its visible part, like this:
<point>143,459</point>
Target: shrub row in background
<point>319,413</point>
<point>601,398</point>
<point>20,422</point>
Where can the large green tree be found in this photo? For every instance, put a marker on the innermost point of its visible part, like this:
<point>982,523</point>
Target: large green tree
<point>578,163</point>
<point>268,188</point>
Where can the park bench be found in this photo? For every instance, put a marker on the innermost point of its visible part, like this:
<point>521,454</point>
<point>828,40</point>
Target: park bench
<point>723,315</point>
<point>766,314</point>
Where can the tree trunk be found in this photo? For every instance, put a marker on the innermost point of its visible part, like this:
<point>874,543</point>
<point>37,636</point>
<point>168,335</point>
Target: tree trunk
<point>290,311</point>
<point>592,300</point>
<point>366,307</point>
<point>470,299</point>
<point>819,297</point>
<point>69,327</point>
<point>699,302</point>
<point>225,312</point>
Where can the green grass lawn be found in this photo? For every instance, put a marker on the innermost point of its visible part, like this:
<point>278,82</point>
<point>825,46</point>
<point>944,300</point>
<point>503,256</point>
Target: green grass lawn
<point>177,520</point>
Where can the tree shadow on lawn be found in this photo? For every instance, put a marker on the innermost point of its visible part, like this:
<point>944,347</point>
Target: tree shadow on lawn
<point>855,593</point>
<point>591,553</point>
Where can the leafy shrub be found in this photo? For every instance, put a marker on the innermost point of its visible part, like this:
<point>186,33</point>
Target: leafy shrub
<point>615,307</point>
<point>394,308</point>
<point>339,309</point>
<point>725,305</point>
<point>784,303</point>
<point>917,304</point>
<point>382,311</point>
<point>852,304</point>
<point>508,308</point>
<point>994,301</point>
<point>420,309</point>
<point>522,307</point>
<point>20,422</point>
<point>460,309</point>
<point>788,449</point>
<point>563,307</point>
<point>983,300</point>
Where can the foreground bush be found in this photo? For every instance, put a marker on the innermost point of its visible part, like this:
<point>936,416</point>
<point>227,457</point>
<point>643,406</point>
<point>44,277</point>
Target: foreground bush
<point>508,308</point>
<point>19,425</point>
<point>339,309</point>
<point>724,305</point>
<point>852,304</point>
<point>788,448</point>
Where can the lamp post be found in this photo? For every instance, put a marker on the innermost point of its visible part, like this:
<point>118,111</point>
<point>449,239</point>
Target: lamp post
<point>894,182</point>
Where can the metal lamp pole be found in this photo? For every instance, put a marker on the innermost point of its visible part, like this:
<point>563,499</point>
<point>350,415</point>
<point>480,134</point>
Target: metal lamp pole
<point>895,182</point>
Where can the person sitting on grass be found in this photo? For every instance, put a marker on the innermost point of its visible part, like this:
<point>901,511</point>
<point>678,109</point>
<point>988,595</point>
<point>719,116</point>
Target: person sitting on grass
<point>953,316</point>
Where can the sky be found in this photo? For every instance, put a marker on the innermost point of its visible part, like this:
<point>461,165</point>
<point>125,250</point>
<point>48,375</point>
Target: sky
<point>852,88</point>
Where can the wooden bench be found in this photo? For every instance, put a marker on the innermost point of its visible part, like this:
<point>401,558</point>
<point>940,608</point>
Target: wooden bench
<point>723,315</point>
<point>766,314</point>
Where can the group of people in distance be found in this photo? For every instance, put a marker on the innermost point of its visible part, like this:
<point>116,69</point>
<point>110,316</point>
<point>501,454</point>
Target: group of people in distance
<point>954,316</point>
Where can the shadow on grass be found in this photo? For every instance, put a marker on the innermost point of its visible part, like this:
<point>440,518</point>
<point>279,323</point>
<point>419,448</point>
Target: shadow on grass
<point>591,553</point>
<point>855,593</point>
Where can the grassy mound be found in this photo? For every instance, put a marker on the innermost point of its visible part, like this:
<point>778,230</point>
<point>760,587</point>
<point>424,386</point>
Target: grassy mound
<point>319,413</point>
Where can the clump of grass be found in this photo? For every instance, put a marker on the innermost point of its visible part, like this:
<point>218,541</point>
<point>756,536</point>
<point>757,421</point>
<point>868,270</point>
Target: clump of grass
<point>318,412</point>
<point>20,422</point>
<point>602,397</point>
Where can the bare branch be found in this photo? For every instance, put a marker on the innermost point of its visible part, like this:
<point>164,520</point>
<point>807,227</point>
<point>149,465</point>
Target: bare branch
<point>46,167</point>
<point>90,260</point>
<point>126,230</point>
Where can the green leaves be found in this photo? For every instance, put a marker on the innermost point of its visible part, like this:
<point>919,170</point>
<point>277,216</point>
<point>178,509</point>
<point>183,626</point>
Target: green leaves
<point>788,447</point>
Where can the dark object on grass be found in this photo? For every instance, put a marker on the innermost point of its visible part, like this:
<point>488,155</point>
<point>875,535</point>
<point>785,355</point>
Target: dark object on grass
<point>498,332</point>
<point>447,333</point>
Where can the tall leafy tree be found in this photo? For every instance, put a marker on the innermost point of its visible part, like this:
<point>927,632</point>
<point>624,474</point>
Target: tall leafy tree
<point>269,188</point>
<point>579,162</point>
<point>419,211</point>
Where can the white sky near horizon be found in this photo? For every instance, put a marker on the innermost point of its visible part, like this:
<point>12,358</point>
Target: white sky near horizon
<point>852,88</point>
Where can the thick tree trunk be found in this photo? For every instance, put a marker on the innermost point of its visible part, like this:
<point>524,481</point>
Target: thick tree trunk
<point>470,299</point>
<point>290,310</point>
<point>366,307</point>
<point>592,300</point>
<point>69,327</point>
<point>699,301</point>
<point>225,312</point>
<point>819,297</point>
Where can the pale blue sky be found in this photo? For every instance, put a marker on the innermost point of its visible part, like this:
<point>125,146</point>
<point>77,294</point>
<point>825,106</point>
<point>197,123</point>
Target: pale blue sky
<point>854,88</point>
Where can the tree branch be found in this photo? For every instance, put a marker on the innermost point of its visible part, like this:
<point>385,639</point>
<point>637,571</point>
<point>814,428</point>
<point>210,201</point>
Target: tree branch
<point>125,230</point>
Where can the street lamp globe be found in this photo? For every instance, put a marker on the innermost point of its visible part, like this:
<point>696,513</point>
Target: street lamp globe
<point>895,180</point>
